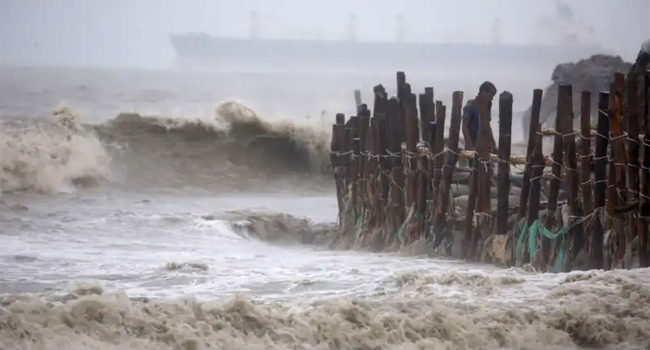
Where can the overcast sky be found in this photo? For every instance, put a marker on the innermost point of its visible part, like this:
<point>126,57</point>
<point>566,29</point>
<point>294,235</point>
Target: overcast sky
<point>134,32</point>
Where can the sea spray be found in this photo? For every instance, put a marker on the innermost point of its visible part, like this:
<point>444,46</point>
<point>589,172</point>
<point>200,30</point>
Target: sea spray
<point>51,157</point>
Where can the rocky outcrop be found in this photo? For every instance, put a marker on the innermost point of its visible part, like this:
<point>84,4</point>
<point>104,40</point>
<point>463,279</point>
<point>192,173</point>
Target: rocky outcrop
<point>593,74</point>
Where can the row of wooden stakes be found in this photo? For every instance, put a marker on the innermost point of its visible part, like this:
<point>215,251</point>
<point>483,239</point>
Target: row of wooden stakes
<point>394,169</point>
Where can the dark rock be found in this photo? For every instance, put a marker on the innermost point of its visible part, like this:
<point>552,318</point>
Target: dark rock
<point>593,74</point>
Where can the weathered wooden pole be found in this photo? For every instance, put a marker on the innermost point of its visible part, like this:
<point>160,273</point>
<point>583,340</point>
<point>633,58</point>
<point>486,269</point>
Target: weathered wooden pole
<point>600,181</point>
<point>426,112</point>
<point>451,158</point>
<point>484,180</point>
<point>347,149</point>
<point>364,124</point>
<point>410,157</point>
<point>437,151</point>
<point>424,177</point>
<point>534,120</point>
<point>429,136</point>
<point>379,105</point>
<point>585,166</point>
<point>536,171</point>
<point>380,113</point>
<point>644,208</point>
<point>403,91</point>
<point>505,141</point>
<point>632,121</point>
<point>396,208</point>
<point>357,98</point>
<point>373,185</point>
<point>353,125</point>
<point>336,159</point>
<point>621,170</point>
<point>575,235</point>
<point>384,161</point>
<point>468,238</point>
<point>356,161</point>
<point>556,171</point>
<point>617,193</point>
<point>429,92</point>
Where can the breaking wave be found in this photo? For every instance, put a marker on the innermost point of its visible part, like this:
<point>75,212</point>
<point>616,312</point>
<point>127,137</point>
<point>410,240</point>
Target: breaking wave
<point>608,310</point>
<point>51,158</point>
<point>236,147</point>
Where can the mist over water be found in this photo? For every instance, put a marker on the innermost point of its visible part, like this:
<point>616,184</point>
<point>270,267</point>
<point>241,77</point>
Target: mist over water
<point>178,210</point>
<point>178,207</point>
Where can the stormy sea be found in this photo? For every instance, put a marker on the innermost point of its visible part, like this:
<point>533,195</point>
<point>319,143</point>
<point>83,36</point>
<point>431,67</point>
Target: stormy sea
<point>166,209</point>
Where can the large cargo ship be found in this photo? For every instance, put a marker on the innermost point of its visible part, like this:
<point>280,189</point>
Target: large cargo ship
<point>203,50</point>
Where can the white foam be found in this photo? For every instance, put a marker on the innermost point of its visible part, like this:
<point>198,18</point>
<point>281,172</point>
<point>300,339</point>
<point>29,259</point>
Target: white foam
<point>49,158</point>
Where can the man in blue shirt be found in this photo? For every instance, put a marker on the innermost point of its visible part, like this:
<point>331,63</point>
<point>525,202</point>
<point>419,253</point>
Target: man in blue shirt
<point>471,117</point>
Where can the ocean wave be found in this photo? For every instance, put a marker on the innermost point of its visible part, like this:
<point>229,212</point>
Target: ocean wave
<point>51,158</point>
<point>236,146</point>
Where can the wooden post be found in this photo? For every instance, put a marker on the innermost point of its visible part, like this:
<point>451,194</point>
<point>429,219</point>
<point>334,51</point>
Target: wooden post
<point>384,161</point>
<point>536,171</point>
<point>451,159</point>
<point>484,181</point>
<point>396,210</point>
<point>556,170</point>
<point>585,166</point>
<point>364,124</point>
<point>633,146</point>
<point>427,115</point>
<point>403,90</point>
<point>429,92</point>
<point>575,235</point>
<point>356,161</point>
<point>437,151</point>
<point>336,159</point>
<point>347,147</point>
<point>616,171</point>
<point>380,113</point>
<point>505,140</point>
<point>644,208</point>
<point>534,121</point>
<point>430,139</point>
<point>471,207</point>
<point>373,185</point>
<point>411,152</point>
<point>621,171</point>
<point>424,178</point>
<point>379,106</point>
<point>600,182</point>
<point>426,112</point>
<point>357,98</point>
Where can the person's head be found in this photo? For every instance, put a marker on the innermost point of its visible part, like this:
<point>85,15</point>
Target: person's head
<point>488,90</point>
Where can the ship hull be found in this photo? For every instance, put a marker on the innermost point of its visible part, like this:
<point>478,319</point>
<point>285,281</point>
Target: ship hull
<point>202,51</point>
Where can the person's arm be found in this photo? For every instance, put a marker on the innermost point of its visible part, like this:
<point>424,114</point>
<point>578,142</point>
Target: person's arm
<point>465,126</point>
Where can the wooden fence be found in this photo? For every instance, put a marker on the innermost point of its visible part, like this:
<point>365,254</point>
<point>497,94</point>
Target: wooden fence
<point>586,205</point>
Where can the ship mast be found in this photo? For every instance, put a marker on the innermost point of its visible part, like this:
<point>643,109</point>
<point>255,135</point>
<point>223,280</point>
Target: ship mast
<point>254,27</point>
<point>400,35</point>
<point>352,28</point>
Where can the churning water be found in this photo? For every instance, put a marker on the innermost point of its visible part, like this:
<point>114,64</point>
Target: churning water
<point>141,216</point>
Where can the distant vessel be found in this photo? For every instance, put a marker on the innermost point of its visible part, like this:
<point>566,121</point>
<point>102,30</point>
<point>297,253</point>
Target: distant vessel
<point>201,49</point>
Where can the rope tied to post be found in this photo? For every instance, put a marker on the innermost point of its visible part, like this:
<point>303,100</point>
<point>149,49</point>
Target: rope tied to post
<point>536,230</point>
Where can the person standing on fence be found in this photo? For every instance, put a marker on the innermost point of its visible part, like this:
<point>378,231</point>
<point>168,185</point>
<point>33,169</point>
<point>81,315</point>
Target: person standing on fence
<point>471,118</point>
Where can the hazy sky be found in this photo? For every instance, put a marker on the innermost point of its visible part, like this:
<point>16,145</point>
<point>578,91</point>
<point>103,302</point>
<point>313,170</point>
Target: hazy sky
<point>134,32</point>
